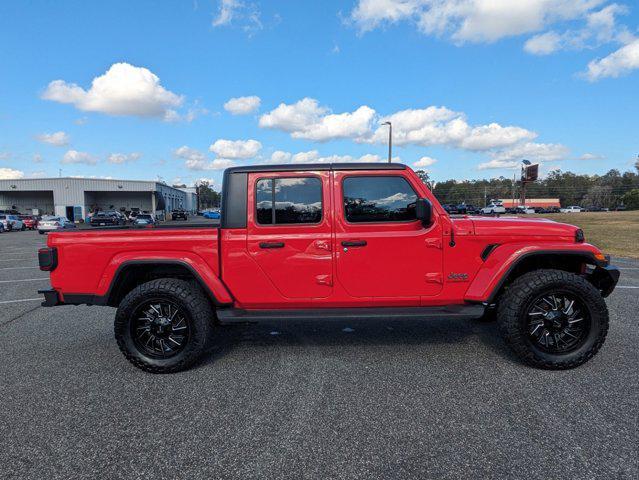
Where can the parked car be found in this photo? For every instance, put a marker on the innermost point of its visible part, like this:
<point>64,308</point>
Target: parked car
<point>179,214</point>
<point>1,227</point>
<point>212,214</point>
<point>493,208</point>
<point>524,209</point>
<point>467,209</point>
<point>109,218</point>
<point>144,219</point>
<point>12,222</point>
<point>382,239</point>
<point>620,208</point>
<point>53,223</point>
<point>30,221</point>
<point>450,208</point>
<point>572,209</point>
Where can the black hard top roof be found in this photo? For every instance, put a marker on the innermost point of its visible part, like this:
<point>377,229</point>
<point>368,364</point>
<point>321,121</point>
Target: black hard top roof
<point>316,166</point>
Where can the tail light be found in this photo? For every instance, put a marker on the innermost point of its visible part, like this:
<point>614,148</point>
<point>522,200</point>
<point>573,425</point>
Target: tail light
<point>48,258</point>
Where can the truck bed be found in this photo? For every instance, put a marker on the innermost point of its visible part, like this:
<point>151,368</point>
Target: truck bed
<point>92,257</point>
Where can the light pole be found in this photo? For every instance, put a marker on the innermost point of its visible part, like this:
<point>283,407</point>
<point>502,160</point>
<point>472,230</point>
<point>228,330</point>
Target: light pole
<point>390,140</point>
<point>525,164</point>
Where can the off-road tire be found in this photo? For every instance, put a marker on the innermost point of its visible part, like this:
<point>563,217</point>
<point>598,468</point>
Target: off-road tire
<point>199,315</point>
<point>512,311</point>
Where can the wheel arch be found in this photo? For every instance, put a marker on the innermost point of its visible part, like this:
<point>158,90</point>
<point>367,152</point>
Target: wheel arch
<point>132,273</point>
<point>501,270</point>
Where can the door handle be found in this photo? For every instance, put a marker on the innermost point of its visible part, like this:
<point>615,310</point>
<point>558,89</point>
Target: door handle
<point>354,243</point>
<point>272,245</point>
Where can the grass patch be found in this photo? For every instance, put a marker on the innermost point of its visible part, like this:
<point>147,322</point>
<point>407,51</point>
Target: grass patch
<point>615,233</point>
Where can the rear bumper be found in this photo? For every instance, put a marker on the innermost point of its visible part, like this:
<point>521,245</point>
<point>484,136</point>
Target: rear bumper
<point>52,298</point>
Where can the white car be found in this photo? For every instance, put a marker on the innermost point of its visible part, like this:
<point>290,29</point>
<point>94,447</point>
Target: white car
<point>144,219</point>
<point>572,209</point>
<point>524,209</point>
<point>11,222</point>
<point>51,224</point>
<point>494,207</point>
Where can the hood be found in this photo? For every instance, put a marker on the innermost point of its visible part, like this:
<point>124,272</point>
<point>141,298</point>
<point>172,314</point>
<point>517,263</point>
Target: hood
<point>522,226</point>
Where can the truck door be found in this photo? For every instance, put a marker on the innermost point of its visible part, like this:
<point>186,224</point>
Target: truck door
<point>381,249</point>
<point>289,231</point>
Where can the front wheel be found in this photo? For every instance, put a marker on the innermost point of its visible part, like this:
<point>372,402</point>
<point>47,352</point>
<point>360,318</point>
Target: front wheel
<point>162,326</point>
<point>553,319</point>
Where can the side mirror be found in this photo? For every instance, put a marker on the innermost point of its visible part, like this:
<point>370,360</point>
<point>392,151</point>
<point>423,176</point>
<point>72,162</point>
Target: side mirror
<point>424,211</point>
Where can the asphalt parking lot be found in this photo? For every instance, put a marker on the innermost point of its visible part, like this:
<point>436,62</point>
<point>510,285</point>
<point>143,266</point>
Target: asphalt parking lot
<point>358,399</point>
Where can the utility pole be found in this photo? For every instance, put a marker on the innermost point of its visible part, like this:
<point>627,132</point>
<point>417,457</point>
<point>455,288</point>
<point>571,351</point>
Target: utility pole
<point>514,176</point>
<point>485,193</point>
<point>390,140</point>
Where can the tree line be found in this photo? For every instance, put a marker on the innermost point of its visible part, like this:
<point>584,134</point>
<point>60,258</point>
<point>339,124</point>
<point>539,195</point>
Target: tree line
<point>607,191</point>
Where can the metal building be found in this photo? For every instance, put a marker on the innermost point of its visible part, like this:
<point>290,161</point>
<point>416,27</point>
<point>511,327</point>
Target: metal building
<point>76,197</point>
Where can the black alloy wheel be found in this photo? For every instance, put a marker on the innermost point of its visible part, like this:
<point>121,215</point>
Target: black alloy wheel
<point>159,328</point>
<point>557,323</point>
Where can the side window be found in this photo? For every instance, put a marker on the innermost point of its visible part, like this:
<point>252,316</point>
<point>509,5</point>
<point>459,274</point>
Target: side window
<point>282,201</point>
<point>378,199</point>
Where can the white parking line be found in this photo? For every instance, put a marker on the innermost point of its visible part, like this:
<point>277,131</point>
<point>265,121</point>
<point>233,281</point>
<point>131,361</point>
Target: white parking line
<point>25,280</point>
<point>625,286</point>
<point>20,301</point>
<point>16,268</point>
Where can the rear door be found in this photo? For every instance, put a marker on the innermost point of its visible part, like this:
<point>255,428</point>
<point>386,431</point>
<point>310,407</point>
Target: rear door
<point>382,251</point>
<point>289,231</point>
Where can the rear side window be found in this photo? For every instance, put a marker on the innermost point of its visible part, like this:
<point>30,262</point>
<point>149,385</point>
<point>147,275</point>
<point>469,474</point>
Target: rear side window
<point>282,201</point>
<point>378,199</point>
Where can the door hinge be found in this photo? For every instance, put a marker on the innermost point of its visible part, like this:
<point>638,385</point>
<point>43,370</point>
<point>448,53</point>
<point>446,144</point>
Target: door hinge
<point>435,277</point>
<point>324,280</point>
<point>434,243</point>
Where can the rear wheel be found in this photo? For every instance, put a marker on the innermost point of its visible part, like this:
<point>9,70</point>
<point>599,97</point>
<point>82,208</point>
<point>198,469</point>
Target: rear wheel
<point>163,326</point>
<point>553,319</point>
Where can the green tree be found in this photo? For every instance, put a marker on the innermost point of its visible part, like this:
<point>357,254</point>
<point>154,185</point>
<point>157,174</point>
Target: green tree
<point>631,199</point>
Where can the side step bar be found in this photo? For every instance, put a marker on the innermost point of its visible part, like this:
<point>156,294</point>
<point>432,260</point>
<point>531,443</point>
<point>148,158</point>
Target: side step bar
<point>235,315</point>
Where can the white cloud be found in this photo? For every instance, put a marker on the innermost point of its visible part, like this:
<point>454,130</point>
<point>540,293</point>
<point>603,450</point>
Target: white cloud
<point>543,44</point>
<point>313,156</point>
<point>441,126</point>
<point>236,149</point>
<point>591,156</point>
<point>280,156</point>
<point>616,64</point>
<point>196,160</point>
<point>242,105</point>
<point>120,158</point>
<point>536,152</point>
<point>471,20</point>
<point>424,162</point>
<point>600,27</point>
<point>123,90</point>
<point>575,24</point>
<point>59,139</point>
<point>306,119</point>
<point>243,14</point>
<point>75,157</point>
<point>10,173</point>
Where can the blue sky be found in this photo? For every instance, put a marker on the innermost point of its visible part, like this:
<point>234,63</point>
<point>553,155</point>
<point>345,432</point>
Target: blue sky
<point>138,89</point>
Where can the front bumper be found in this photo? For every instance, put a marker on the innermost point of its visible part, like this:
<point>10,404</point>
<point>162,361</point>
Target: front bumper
<point>605,278</point>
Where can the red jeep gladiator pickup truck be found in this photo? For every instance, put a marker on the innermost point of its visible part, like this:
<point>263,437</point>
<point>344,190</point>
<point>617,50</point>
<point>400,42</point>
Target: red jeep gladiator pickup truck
<point>335,240</point>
